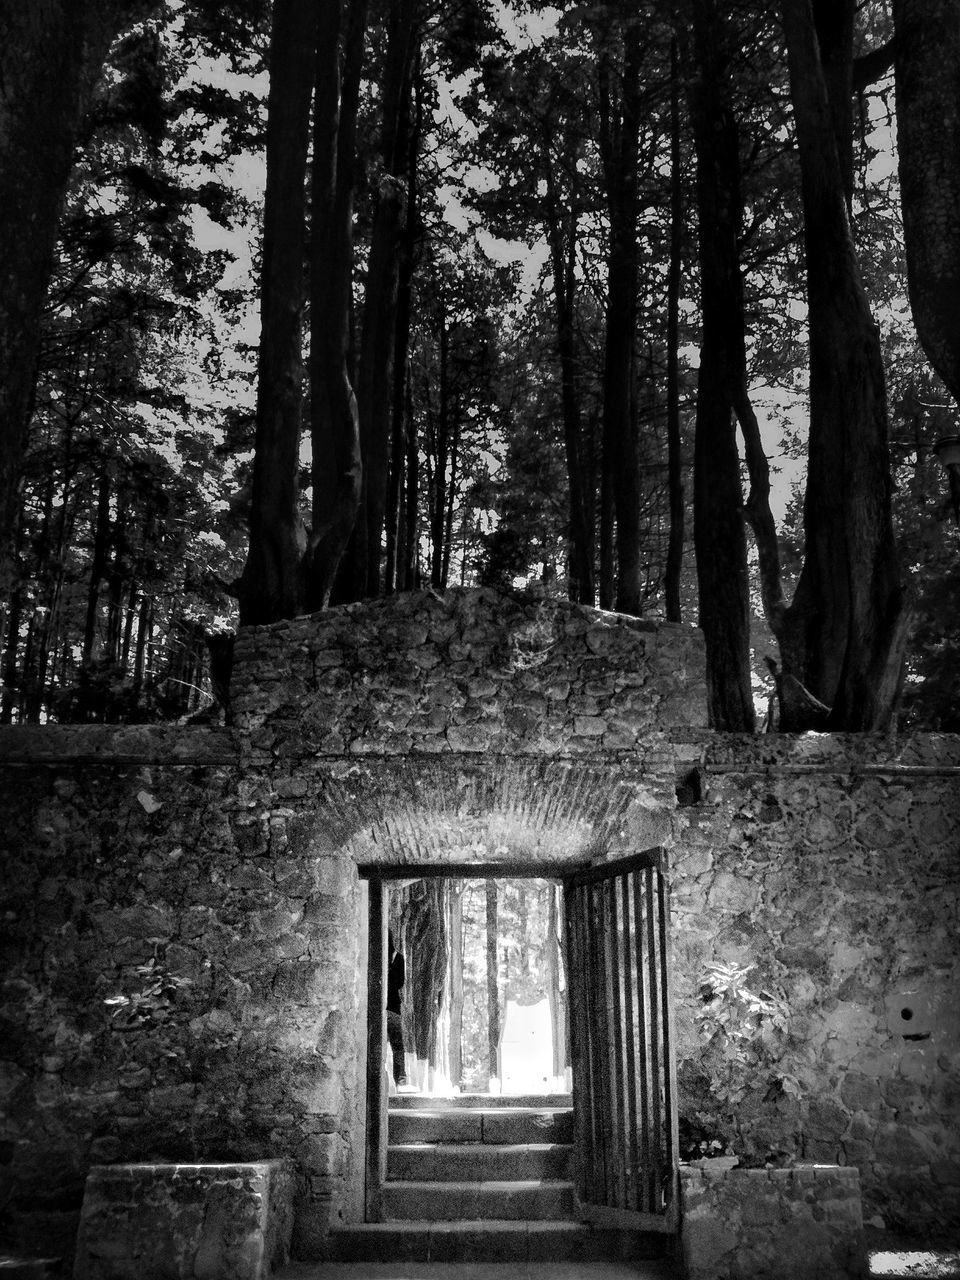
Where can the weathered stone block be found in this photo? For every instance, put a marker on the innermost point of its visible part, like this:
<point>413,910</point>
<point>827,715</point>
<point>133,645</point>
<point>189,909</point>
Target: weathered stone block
<point>185,1222</point>
<point>775,1224</point>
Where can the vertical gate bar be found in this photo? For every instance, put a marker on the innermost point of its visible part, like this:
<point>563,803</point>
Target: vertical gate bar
<point>670,1099</point>
<point>644,1031</point>
<point>656,1015</point>
<point>590,1045</point>
<point>579,1040</point>
<point>376,1165</point>
<point>618,1127</point>
<point>599,1042</point>
<point>593,1033</point>
<point>630,1064</point>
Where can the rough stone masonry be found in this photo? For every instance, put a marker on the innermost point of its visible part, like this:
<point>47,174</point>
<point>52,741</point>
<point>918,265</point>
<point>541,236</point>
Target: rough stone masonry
<point>184,925</point>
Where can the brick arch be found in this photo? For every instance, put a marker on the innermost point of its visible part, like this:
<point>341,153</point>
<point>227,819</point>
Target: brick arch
<point>458,810</point>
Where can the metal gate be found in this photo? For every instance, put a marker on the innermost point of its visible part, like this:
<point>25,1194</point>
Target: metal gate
<point>624,1083</point>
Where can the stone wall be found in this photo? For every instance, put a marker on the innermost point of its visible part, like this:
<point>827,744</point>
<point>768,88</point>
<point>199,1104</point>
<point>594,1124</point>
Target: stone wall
<point>466,671</point>
<point>829,868</point>
<point>774,1224</point>
<point>184,931</point>
<point>183,981</point>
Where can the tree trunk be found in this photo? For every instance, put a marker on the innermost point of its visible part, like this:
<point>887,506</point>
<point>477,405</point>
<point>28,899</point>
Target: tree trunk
<point>51,57</point>
<point>927,55</point>
<point>561,228</point>
<point>620,152</point>
<point>845,631</point>
<point>335,433</point>
<point>834,21</point>
<point>269,586</point>
<point>674,564</point>
<point>719,535</point>
<point>441,458</point>
<point>493,984</point>
<point>427,940</point>
<point>607,583</point>
<point>377,348</point>
<point>410,557</point>
<point>552,969</point>
<point>98,565</point>
<point>10,657</point>
<point>401,420</point>
<point>451,496</point>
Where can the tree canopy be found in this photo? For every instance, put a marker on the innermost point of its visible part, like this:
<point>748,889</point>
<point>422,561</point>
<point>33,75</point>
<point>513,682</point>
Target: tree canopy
<point>647,302</point>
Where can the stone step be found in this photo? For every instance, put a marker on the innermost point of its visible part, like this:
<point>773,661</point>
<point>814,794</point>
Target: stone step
<point>513,1125</point>
<point>457,1162</point>
<point>449,1201</point>
<point>495,1242</point>
<point>475,1101</point>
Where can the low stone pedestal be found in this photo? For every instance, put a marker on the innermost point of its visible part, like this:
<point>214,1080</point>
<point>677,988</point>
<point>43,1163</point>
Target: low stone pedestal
<point>804,1223</point>
<point>185,1221</point>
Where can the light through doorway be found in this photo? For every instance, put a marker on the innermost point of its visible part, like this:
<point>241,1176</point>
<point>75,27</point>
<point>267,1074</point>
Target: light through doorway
<point>549,986</point>
<point>483,1005</point>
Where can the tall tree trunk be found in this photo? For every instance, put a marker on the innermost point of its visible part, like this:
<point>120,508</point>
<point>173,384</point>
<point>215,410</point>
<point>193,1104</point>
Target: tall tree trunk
<point>98,564</point>
<point>674,564</point>
<point>834,22</point>
<point>719,535</point>
<point>337,469</point>
<point>11,669</point>
<point>927,55</point>
<point>51,57</point>
<point>441,458</point>
<point>553,970</point>
<point>607,583</point>
<point>845,631</point>
<point>620,126</point>
<point>451,496</point>
<point>410,559</point>
<point>561,227</point>
<point>427,940</point>
<point>493,983</point>
<point>270,585</point>
<point>377,349</point>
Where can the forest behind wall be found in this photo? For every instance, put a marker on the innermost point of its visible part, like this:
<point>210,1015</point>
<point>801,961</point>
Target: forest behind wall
<point>625,299</point>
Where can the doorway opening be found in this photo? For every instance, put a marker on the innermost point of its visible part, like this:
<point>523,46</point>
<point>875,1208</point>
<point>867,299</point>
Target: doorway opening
<point>476,987</point>
<point>597,972</point>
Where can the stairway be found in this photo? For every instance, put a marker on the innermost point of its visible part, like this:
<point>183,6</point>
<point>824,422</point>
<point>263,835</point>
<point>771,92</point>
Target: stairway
<point>482,1178</point>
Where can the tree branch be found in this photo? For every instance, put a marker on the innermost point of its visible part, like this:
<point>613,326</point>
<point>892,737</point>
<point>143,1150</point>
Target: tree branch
<point>871,67</point>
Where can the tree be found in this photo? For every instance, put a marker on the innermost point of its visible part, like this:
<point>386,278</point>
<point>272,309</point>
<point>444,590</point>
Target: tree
<point>379,333</point>
<point>51,58</point>
<point>619,149</point>
<point>844,633</point>
<point>119,542</point>
<point>269,587</point>
<point>927,52</point>
<point>493,985</point>
<point>337,464</point>
<point>719,536</point>
<point>543,188</point>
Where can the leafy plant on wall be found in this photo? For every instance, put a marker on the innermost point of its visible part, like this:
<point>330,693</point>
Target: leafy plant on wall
<point>743,1029</point>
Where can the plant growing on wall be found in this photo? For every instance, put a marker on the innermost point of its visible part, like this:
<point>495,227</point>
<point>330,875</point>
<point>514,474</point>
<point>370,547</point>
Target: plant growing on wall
<point>744,1033</point>
<point>151,1005</point>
